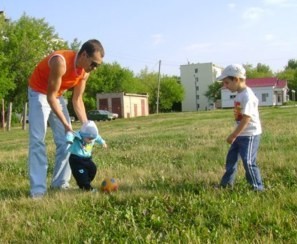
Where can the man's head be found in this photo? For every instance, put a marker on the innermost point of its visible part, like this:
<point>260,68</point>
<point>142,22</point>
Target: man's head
<point>233,77</point>
<point>91,55</point>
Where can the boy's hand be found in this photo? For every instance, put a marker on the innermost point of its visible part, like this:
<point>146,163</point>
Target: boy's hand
<point>104,145</point>
<point>231,138</point>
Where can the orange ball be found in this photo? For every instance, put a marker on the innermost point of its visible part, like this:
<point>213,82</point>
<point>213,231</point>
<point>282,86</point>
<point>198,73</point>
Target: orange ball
<point>109,185</point>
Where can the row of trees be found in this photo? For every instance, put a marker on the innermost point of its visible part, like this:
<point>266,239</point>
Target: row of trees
<point>26,41</point>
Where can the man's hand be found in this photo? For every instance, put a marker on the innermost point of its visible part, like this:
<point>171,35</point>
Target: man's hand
<point>68,128</point>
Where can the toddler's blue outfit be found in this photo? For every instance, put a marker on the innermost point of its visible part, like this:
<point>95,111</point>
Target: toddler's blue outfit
<point>82,166</point>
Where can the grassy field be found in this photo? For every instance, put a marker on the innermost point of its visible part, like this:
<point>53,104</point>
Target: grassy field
<point>166,166</point>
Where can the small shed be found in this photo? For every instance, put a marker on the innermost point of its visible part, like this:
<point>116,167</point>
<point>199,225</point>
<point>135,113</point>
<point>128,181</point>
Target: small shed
<point>126,105</point>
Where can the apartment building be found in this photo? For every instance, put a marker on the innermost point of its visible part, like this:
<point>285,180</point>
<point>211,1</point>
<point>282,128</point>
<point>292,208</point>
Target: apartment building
<point>196,79</point>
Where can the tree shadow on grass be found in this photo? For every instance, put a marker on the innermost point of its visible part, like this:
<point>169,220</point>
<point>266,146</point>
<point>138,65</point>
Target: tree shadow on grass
<point>178,187</point>
<point>183,187</point>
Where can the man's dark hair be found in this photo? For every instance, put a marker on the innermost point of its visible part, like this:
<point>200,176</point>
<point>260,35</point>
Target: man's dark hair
<point>92,46</point>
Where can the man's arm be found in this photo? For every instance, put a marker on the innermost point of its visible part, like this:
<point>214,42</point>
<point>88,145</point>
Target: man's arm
<point>57,70</point>
<point>243,123</point>
<point>77,100</point>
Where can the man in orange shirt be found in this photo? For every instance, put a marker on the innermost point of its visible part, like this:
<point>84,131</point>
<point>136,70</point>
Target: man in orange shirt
<point>56,73</point>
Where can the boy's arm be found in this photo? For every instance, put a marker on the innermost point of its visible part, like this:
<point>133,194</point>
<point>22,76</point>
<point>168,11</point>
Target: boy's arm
<point>71,135</point>
<point>241,126</point>
<point>100,140</point>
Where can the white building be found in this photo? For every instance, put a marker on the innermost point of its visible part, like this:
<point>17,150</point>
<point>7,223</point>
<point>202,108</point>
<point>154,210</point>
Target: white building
<point>196,79</point>
<point>126,105</point>
<point>269,91</point>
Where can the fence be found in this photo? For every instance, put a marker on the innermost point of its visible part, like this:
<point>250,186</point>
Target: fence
<point>6,124</point>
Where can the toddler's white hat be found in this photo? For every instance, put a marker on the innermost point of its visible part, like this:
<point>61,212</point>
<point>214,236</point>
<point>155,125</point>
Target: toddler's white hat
<point>89,129</point>
<point>234,70</point>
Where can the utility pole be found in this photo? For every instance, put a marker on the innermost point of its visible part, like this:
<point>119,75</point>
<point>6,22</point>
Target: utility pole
<point>158,92</point>
<point>3,114</point>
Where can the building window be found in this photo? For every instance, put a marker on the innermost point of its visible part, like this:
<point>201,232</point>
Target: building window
<point>197,97</point>
<point>196,70</point>
<point>232,96</point>
<point>196,79</point>
<point>264,97</point>
<point>198,106</point>
<point>197,88</point>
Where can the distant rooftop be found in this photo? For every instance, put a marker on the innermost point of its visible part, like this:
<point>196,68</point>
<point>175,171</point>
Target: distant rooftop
<point>264,82</point>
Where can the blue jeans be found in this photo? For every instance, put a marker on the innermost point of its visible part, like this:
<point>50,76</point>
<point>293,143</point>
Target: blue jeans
<point>246,147</point>
<point>40,114</point>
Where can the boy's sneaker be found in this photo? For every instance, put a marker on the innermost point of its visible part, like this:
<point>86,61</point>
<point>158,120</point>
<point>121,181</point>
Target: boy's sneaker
<point>217,186</point>
<point>220,186</point>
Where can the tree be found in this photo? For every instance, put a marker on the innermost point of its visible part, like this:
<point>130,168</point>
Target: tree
<point>260,71</point>
<point>214,91</point>
<point>171,91</point>
<point>292,64</point>
<point>6,78</point>
<point>289,74</point>
<point>150,83</point>
<point>28,40</point>
<point>75,44</point>
<point>108,78</point>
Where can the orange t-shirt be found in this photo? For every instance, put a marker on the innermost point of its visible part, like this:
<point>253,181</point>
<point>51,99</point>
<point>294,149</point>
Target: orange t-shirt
<point>39,79</point>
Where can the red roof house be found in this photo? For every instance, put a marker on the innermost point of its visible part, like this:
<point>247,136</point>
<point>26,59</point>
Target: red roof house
<point>270,92</point>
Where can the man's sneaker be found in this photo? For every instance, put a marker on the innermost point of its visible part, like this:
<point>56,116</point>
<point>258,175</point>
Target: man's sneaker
<point>37,195</point>
<point>62,187</point>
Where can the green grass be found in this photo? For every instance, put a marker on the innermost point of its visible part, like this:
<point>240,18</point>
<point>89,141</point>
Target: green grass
<point>166,166</point>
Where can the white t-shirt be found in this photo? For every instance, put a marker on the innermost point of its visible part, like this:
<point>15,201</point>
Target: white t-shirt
<point>246,103</point>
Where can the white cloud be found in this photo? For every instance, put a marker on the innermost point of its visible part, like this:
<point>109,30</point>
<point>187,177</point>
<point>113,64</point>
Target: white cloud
<point>269,37</point>
<point>281,3</point>
<point>157,39</point>
<point>253,14</point>
<point>231,5</point>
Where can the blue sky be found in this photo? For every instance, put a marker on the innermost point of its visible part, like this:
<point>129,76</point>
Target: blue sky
<point>139,33</point>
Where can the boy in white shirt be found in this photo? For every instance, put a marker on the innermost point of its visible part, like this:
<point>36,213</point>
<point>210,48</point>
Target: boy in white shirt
<point>245,138</point>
